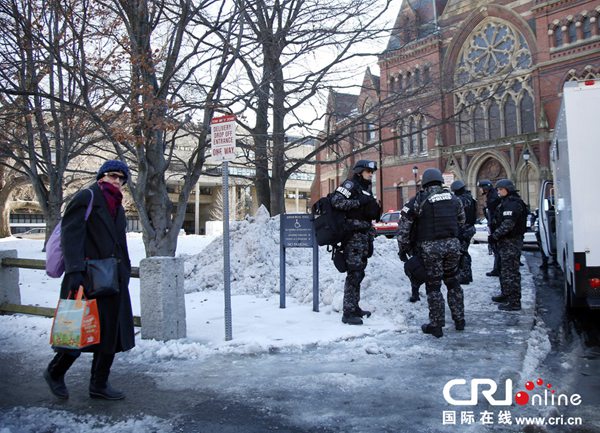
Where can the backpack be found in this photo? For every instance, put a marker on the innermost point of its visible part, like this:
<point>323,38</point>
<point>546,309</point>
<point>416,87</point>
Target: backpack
<point>55,261</point>
<point>328,222</point>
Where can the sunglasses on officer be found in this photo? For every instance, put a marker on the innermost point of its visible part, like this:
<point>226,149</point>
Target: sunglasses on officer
<point>115,175</point>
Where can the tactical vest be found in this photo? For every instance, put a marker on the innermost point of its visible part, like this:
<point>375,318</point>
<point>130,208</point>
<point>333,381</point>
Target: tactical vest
<point>359,213</point>
<point>438,219</point>
<point>470,207</point>
<point>520,221</point>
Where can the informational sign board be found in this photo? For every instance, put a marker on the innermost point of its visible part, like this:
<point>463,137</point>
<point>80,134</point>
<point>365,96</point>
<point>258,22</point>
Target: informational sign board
<point>222,132</point>
<point>448,179</point>
<point>297,231</point>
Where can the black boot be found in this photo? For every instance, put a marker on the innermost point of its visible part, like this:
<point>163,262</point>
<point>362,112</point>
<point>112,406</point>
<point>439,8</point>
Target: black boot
<point>351,319</point>
<point>459,325</point>
<point>55,374</point>
<point>99,386</point>
<point>509,307</point>
<point>436,331</point>
<point>415,294</point>
<point>362,313</point>
<point>500,298</point>
<point>493,273</point>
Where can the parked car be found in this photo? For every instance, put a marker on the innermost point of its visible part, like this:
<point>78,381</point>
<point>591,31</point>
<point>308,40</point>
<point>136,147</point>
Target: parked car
<point>388,225</point>
<point>481,232</point>
<point>35,233</point>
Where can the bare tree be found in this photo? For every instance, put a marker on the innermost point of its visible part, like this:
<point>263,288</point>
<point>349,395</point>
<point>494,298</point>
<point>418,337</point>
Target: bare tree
<point>155,80</point>
<point>42,128</point>
<point>285,76</point>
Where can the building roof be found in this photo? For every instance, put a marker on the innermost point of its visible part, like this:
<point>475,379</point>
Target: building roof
<point>419,14</point>
<point>341,104</point>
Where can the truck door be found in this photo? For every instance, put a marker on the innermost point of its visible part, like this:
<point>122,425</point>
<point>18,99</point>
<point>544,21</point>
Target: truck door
<point>547,219</point>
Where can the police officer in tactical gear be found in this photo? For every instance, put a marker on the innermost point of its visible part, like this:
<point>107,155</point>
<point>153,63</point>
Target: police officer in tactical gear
<point>508,227</point>
<point>466,231</point>
<point>491,203</point>
<point>355,197</point>
<point>435,214</point>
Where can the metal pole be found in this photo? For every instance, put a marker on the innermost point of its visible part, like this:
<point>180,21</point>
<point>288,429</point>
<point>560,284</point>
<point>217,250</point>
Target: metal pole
<point>197,209</point>
<point>281,264</point>
<point>527,182</point>
<point>315,272</point>
<point>226,263</point>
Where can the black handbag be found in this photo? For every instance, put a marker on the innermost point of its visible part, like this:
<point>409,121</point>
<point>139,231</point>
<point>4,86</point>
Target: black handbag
<point>103,277</point>
<point>415,270</point>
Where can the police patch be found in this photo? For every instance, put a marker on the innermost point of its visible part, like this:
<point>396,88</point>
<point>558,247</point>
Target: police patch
<point>344,191</point>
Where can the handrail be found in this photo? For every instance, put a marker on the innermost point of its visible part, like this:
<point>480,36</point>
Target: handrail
<point>42,311</point>
<point>41,264</point>
<point>34,310</point>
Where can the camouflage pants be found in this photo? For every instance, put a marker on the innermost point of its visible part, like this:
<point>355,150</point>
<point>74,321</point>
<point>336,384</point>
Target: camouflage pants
<point>441,258</point>
<point>509,251</point>
<point>465,274</point>
<point>356,252</point>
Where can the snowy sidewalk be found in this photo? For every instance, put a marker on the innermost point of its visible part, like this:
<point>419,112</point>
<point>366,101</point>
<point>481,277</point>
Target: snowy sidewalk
<point>289,370</point>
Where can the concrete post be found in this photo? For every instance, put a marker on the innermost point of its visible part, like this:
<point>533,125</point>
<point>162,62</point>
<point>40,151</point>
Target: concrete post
<point>162,298</point>
<point>9,280</point>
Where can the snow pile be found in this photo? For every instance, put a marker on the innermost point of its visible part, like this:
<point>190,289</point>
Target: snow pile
<point>255,251</point>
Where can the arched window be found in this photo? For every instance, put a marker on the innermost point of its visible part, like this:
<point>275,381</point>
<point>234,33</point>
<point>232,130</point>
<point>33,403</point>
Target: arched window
<point>587,28</point>
<point>408,78</point>
<point>417,78</point>
<point>464,127</point>
<point>426,75</point>
<point>527,114</point>
<point>412,136</point>
<point>510,117</point>
<point>492,75</point>
<point>572,32</point>
<point>405,138</point>
<point>479,123</point>
<point>494,120</point>
<point>558,36</point>
<point>422,136</point>
<point>399,79</point>
<point>398,137</point>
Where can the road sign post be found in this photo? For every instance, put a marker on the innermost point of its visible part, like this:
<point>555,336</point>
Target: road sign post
<point>223,149</point>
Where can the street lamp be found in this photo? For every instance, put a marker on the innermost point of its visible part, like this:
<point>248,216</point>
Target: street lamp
<point>415,171</point>
<point>526,156</point>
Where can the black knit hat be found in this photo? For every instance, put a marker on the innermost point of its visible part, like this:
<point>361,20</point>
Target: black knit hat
<point>113,165</point>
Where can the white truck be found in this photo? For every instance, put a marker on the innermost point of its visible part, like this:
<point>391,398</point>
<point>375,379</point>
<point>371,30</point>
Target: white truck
<point>569,211</point>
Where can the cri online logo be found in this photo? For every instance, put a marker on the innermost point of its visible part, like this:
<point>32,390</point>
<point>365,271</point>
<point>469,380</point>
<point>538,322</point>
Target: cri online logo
<point>488,387</point>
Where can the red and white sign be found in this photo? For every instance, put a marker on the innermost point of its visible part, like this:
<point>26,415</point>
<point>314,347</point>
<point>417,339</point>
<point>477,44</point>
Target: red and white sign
<point>222,131</point>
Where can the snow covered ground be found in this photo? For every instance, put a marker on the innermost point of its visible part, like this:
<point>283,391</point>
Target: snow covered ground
<point>259,326</point>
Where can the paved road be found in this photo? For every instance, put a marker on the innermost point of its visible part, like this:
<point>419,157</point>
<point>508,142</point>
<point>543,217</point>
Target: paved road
<point>391,382</point>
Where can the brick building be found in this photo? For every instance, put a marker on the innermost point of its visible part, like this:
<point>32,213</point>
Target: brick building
<point>471,87</point>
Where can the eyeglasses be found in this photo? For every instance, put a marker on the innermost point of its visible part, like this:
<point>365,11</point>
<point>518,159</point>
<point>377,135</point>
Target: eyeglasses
<point>115,176</point>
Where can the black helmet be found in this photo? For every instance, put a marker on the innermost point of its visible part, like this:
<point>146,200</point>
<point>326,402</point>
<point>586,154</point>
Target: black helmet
<point>432,175</point>
<point>485,184</point>
<point>457,185</point>
<point>507,184</point>
<point>364,164</point>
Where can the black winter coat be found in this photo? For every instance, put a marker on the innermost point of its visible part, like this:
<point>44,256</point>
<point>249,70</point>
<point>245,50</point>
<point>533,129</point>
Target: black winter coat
<point>98,238</point>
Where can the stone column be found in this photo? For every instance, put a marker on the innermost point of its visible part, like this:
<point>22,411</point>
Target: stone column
<point>162,298</point>
<point>9,280</point>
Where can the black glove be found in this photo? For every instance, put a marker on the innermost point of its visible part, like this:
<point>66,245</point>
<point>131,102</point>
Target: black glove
<point>491,240</point>
<point>73,280</point>
<point>363,199</point>
<point>403,256</point>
